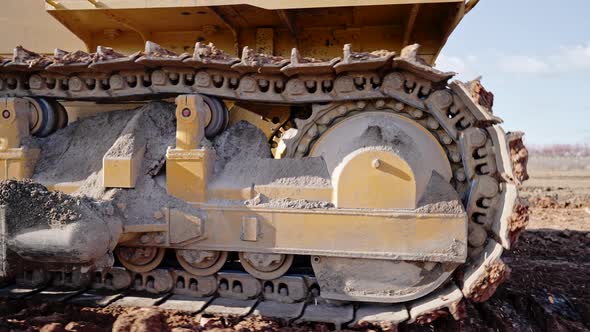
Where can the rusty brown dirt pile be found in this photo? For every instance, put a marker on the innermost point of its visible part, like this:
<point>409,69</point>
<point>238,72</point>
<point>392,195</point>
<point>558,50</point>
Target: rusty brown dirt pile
<point>553,201</point>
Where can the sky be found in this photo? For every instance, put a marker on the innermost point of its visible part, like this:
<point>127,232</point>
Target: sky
<point>534,55</point>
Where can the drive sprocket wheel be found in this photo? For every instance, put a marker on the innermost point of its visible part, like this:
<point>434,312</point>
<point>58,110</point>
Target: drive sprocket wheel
<point>482,174</point>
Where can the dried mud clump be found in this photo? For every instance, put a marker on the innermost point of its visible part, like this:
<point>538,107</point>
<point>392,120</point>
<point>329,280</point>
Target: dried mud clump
<point>310,60</point>
<point>496,273</point>
<point>32,59</point>
<point>107,54</point>
<point>32,204</point>
<point>482,96</point>
<point>519,156</point>
<point>254,59</point>
<point>410,53</point>
<point>518,222</point>
<point>211,52</point>
<point>364,56</point>
<point>155,50</point>
<point>66,58</point>
<point>432,316</point>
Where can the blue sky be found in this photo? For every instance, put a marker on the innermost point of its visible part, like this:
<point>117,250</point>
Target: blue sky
<point>535,57</point>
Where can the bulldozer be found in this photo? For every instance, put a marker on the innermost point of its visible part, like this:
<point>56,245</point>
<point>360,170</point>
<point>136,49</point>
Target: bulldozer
<point>300,160</point>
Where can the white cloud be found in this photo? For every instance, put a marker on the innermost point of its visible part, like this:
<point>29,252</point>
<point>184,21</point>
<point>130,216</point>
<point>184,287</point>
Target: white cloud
<point>573,58</point>
<point>566,59</point>
<point>576,57</point>
<point>523,64</point>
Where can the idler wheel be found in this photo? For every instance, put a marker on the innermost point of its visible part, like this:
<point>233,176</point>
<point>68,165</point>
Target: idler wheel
<point>265,266</point>
<point>140,259</point>
<point>201,262</point>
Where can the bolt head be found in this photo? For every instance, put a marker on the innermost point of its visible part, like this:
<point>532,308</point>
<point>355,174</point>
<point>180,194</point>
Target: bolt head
<point>6,114</point>
<point>376,163</point>
<point>145,238</point>
<point>159,238</point>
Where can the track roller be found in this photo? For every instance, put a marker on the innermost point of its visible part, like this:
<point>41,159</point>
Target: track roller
<point>61,114</point>
<point>140,260</point>
<point>265,266</point>
<point>217,116</point>
<point>47,117</point>
<point>201,262</point>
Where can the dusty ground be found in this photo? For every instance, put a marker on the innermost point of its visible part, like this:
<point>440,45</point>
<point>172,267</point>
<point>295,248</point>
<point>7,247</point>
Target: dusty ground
<point>549,289</point>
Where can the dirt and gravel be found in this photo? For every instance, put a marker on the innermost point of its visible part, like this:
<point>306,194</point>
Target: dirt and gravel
<point>32,204</point>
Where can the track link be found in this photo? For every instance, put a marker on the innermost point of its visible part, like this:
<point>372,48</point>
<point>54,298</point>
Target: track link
<point>291,298</point>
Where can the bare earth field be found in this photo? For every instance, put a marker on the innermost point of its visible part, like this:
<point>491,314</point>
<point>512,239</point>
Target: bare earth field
<point>549,288</point>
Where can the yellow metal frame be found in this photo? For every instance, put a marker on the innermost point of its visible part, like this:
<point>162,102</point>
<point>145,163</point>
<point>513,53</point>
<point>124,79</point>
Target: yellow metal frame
<point>16,161</point>
<point>120,28</point>
<point>230,24</point>
<point>188,165</point>
<point>365,227</point>
<point>375,234</point>
<point>266,4</point>
<point>385,217</point>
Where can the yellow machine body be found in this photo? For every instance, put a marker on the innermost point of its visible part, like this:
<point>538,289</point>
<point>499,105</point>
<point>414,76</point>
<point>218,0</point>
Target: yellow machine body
<point>318,29</point>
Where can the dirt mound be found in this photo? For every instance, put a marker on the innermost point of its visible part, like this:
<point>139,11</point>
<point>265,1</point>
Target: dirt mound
<point>75,155</point>
<point>32,205</point>
<point>554,202</point>
<point>242,141</point>
<point>146,320</point>
<point>78,148</point>
<point>69,147</point>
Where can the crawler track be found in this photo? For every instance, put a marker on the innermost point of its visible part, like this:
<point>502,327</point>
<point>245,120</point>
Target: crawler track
<point>459,115</point>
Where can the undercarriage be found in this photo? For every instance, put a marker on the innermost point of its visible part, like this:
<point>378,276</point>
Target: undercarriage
<point>362,190</point>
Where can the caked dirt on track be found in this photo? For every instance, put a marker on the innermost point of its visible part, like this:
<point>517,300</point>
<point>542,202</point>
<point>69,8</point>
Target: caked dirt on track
<point>549,288</point>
